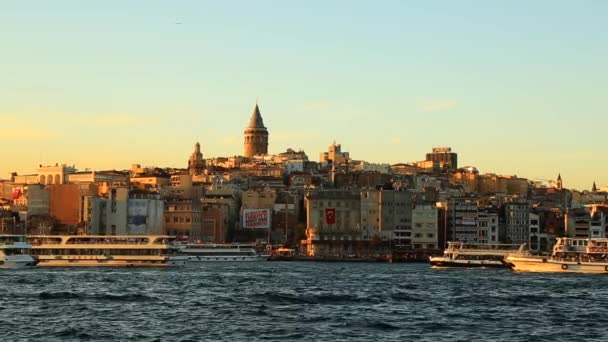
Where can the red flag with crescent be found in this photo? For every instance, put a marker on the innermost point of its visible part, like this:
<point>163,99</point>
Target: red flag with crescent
<point>330,215</point>
<point>16,193</point>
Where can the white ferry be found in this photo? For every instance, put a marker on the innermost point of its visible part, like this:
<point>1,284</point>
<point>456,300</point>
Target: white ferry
<point>222,252</point>
<point>460,254</point>
<point>15,252</point>
<point>569,255</point>
<point>105,250</point>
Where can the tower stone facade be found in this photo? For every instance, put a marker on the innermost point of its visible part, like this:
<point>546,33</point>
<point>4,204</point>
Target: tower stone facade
<point>256,135</point>
<point>196,163</point>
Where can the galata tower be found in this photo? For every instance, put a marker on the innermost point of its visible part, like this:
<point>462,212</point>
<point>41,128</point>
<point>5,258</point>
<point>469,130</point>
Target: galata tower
<point>256,135</point>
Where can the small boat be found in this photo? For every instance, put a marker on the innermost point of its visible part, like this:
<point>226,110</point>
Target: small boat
<point>222,252</point>
<point>105,250</point>
<point>461,254</point>
<point>15,252</point>
<point>569,255</point>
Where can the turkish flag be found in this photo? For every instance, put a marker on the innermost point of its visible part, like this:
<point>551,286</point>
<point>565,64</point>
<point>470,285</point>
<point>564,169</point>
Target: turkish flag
<point>330,215</point>
<point>16,193</point>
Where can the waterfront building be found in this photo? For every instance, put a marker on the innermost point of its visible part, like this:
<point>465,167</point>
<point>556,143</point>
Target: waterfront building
<point>333,223</point>
<point>369,222</point>
<point>578,223</point>
<point>386,215</point>
<point>285,216</point>
<point>116,212</point>
<point>182,206</point>
<point>517,220</point>
<point>463,214</point>
<point>538,241</point>
<point>425,221</point>
<point>76,206</point>
<point>220,212</point>
<point>256,135</point>
<point>488,228</point>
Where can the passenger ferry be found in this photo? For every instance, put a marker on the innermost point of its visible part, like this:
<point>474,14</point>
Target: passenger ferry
<point>105,250</point>
<point>572,255</point>
<point>15,252</point>
<point>222,252</point>
<point>460,254</point>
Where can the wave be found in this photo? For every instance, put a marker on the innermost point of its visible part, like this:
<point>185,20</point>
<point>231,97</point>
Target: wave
<point>71,332</point>
<point>325,298</point>
<point>61,295</point>
<point>406,297</point>
<point>383,326</point>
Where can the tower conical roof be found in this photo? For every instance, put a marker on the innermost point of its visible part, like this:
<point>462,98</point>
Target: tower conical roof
<point>256,119</point>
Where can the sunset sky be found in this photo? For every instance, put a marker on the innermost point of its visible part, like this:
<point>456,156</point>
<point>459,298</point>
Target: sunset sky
<point>514,87</point>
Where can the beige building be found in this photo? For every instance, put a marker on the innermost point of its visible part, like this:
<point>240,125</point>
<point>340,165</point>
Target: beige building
<point>57,174</point>
<point>262,199</point>
<point>333,220</point>
<point>424,227</point>
<point>25,179</point>
<point>334,155</point>
<point>98,177</point>
<point>219,213</point>
<point>182,206</point>
<point>151,183</point>
<point>116,212</point>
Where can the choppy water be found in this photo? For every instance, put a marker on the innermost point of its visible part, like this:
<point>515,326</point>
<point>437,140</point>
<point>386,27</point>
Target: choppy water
<point>301,301</point>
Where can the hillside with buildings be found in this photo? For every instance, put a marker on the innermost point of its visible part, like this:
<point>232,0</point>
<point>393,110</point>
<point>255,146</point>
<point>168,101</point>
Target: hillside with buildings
<point>336,206</point>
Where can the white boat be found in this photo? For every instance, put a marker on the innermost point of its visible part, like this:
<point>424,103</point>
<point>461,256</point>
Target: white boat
<point>461,254</point>
<point>222,252</point>
<point>15,252</point>
<point>105,250</point>
<point>569,255</point>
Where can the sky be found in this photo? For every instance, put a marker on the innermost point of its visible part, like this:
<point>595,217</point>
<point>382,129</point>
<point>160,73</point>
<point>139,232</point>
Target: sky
<point>514,87</point>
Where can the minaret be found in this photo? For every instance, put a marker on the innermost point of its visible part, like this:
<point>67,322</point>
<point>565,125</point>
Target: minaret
<point>256,135</point>
<point>594,188</point>
<point>196,163</point>
<point>559,181</point>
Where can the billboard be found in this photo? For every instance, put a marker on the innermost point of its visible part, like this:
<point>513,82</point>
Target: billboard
<point>137,215</point>
<point>256,218</point>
